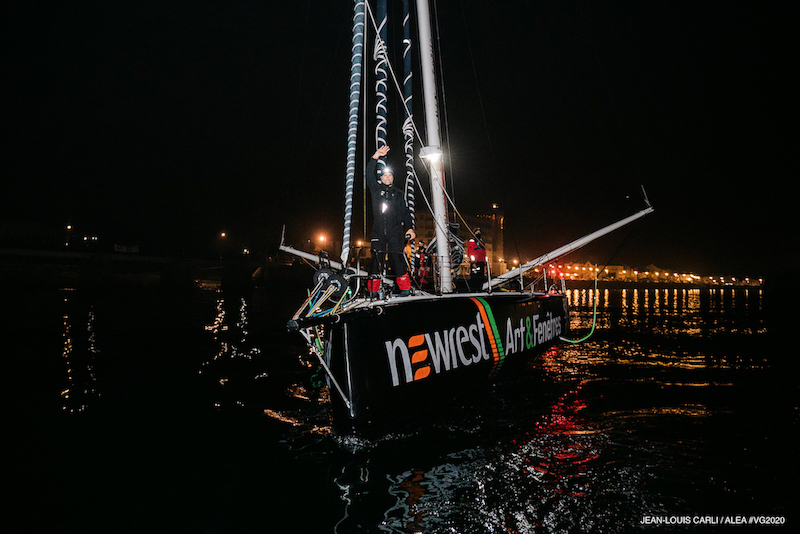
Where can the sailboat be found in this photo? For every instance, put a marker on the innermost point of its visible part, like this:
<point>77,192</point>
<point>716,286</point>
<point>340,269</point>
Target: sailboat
<point>388,357</point>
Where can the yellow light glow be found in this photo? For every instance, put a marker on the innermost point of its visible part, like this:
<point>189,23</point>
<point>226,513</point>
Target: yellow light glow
<point>433,154</point>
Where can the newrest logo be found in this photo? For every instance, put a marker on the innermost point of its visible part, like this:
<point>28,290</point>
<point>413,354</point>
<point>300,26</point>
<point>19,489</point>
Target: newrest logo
<point>443,351</point>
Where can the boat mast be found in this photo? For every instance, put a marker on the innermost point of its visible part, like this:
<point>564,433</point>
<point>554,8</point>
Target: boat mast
<point>432,151</point>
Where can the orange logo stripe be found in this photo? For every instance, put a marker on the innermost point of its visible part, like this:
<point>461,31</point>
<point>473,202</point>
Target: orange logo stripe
<point>489,333</point>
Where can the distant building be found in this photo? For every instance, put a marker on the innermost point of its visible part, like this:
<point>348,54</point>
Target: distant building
<point>28,234</point>
<point>622,273</point>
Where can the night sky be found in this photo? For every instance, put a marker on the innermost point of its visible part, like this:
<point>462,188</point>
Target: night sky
<point>165,123</point>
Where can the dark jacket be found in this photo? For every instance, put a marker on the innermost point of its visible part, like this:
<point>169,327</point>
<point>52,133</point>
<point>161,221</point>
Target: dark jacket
<point>388,221</point>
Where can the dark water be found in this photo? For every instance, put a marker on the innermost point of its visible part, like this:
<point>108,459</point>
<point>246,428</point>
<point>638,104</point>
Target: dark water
<point>145,410</point>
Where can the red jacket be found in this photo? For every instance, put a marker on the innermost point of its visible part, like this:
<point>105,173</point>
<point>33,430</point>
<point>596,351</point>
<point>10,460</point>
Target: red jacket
<point>475,251</point>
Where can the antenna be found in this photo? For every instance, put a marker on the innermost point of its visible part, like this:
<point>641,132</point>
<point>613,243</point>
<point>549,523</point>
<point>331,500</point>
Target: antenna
<point>644,194</point>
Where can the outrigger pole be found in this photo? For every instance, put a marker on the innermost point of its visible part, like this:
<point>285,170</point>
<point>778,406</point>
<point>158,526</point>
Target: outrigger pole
<point>561,251</point>
<point>335,264</point>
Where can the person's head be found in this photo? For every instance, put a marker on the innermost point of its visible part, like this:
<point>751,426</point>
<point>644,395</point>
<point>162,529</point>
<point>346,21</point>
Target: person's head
<point>387,177</point>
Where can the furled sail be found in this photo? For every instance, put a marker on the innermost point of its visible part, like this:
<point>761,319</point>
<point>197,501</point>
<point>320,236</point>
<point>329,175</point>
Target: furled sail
<point>356,65</point>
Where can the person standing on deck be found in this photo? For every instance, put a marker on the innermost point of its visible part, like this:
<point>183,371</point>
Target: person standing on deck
<point>390,213</point>
<point>477,258</point>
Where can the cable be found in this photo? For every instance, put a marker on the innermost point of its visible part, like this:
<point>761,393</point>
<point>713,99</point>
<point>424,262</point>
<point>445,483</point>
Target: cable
<point>594,320</point>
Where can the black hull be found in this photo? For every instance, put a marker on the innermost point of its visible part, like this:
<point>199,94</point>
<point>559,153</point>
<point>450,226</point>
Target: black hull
<point>408,356</point>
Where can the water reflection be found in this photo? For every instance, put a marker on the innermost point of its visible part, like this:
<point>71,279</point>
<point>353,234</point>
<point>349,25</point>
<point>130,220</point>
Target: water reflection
<point>586,462</point>
<point>538,476</point>
<point>675,312</point>
<point>79,353</point>
<point>583,464</point>
<point>659,413</point>
<point>232,333</point>
<point>231,366</point>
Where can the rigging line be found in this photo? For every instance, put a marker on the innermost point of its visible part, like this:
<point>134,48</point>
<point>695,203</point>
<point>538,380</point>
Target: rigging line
<point>563,63</point>
<point>449,200</point>
<point>427,202</point>
<point>345,26</point>
<point>297,109</point>
<point>575,82</point>
<point>400,92</point>
<point>455,209</point>
<point>516,247</point>
<point>633,159</point>
<point>621,244</point>
<point>413,122</point>
<point>445,119</point>
<point>452,204</point>
<point>625,139</point>
<point>478,89</point>
<point>494,165</point>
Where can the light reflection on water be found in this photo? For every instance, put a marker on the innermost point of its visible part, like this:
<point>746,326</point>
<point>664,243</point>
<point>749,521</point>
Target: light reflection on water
<point>694,312</point>
<point>79,354</point>
<point>567,467</point>
<point>231,366</point>
<point>590,438</point>
<point>622,438</point>
<point>538,481</point>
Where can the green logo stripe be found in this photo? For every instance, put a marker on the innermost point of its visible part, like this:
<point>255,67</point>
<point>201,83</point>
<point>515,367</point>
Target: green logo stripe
<point>498,341</point>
